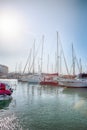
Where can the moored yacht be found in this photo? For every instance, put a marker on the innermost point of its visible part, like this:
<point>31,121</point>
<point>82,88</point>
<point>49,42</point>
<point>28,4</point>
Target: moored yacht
<point>50,79</point>
<point>32,78</point>
<point>79,81</point>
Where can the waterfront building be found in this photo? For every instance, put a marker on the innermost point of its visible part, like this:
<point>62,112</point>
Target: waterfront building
<point>3,69</point>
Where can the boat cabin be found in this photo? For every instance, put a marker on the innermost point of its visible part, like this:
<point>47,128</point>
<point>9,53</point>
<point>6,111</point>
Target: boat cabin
<point>82,75</point>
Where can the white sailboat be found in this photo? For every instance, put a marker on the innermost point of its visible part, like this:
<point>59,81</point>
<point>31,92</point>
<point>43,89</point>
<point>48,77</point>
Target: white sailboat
<point>32,77</point>
<point>79,81</point>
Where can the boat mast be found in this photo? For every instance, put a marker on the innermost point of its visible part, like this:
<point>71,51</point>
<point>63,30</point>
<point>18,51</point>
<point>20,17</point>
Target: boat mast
<point>57,54</point>
<point>73,60</point>
<point>29,61</point>
<point>26,64</point>
<point>34,58</point>
<point>64,58</point>
<point>61,62</point>
<point>42,52</point>
<point>38,65</point>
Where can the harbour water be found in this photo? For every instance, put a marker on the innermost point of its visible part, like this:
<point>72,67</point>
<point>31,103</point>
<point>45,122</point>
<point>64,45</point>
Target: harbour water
<point>35,107</point>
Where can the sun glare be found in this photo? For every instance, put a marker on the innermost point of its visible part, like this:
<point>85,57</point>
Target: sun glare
<point>9,25</point>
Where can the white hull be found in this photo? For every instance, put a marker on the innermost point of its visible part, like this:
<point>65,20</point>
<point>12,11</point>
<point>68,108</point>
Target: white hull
<point>31,78</point>
<point>34,79</point>
<point>5,97</point>
<point>73,83</point>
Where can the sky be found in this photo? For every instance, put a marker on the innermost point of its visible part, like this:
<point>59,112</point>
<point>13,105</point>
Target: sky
<point>25,22</point>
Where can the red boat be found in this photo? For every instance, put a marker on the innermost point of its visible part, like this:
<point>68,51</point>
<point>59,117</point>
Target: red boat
<point>52,83</point>
<point>50,79</point>
<point>5,89</point>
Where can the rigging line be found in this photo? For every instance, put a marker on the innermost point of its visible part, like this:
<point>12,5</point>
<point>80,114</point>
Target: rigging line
<point>75,58</point>
<point>35,56</point>
<point>64,59</point>
<point>26,63</point>
<point>29,61</point>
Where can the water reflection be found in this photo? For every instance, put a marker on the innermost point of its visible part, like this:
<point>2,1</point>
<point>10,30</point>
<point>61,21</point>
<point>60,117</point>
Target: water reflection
<point>38,107</point>
<point>42,90</point>
<point>48,107</point>
<point>5,104</point>
<point>79,104</point>
<point>81,92</point>
<point>77,98</point>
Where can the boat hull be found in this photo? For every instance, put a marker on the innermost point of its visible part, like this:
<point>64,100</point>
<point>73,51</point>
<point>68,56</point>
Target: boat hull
<point>49,83</point>
<point>73,83</point>
<point>5,97</point>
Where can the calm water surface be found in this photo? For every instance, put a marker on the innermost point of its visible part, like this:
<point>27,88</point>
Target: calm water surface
<point>36,107</point>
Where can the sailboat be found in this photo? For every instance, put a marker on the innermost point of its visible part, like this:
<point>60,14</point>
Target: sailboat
<point>51,78</point>
<point>33,77</point>
<point>78,81</point>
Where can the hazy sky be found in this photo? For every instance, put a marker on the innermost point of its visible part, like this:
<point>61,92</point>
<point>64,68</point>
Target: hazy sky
<point>23,21</point>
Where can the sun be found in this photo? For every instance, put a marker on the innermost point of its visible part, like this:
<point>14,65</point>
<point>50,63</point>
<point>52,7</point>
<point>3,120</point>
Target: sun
<point>11,29</point>
<point>9,25</point>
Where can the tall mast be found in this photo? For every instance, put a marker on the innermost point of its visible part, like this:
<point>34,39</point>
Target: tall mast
<point>29,61</point>
<point>73,60</point>
<point>64,58</point>
<point>42,52</point>
<point>38,66</point>
<point>57,54</point>
<point>34,58</point>
<point>26,64</point>
<point>55,62</point>
<point>61,62</point>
